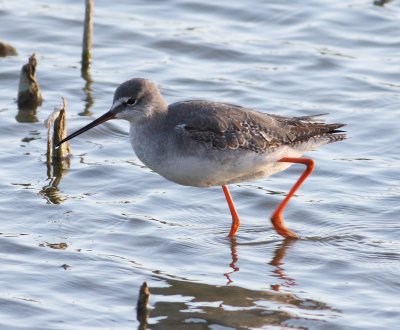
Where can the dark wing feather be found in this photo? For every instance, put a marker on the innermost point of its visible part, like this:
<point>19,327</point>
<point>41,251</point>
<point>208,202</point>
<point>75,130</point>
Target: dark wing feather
<point>227,126</point>
<point>306,127</point>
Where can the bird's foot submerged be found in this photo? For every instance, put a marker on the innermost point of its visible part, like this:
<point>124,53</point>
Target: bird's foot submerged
<point>281,229</point>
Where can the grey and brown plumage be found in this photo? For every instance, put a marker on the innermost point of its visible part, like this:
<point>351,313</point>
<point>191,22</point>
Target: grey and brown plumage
<point>228,126</point>
<point>203,143</point>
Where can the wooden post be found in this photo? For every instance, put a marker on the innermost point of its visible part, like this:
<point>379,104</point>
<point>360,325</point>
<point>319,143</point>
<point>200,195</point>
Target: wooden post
<point>57,160</point>
<point>7,50</point>
<point>56,131</point>
<point>87,36</point>
<point>142,309</point>
<point>29,96</point>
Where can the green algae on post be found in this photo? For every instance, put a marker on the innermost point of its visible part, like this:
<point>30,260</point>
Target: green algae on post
<point>29,95</point>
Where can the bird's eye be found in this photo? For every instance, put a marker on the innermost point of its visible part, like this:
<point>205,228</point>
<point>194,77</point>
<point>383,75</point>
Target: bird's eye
<point>131,101</point>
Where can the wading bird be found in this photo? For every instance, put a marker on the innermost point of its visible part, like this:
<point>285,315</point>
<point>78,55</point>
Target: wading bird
<point>203,143</point>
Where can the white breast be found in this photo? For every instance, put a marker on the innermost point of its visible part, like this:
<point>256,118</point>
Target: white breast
<point>205,167</point>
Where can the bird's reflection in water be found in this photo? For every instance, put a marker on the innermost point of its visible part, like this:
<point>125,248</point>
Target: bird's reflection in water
<point>277,262</point>
<point>182,303</point>
<point>233,262</point>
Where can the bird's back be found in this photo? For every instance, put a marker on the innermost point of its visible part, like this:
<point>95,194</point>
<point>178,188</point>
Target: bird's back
<point>226,126</point>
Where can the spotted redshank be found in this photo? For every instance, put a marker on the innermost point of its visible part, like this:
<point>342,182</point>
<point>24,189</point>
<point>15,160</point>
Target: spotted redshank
<point>203,143</point>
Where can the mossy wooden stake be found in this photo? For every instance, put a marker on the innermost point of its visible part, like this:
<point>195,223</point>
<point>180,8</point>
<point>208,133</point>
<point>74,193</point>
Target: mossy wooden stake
<point>87,36</point>
<point>60,133</point>
<point>142,309</point>
<point>29,95</point>
<point>7,50</point>
<point>57,160</point>
<point>56,131</point>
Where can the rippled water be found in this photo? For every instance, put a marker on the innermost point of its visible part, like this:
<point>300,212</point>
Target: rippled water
<point>74,251</point>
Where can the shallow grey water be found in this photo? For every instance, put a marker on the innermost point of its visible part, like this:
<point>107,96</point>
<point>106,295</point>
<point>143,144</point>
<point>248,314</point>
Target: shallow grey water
<point>121,224</point>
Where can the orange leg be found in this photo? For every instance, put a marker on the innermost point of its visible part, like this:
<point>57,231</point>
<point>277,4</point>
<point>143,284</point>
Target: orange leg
<point>277,218</point>
<point>232,208</point>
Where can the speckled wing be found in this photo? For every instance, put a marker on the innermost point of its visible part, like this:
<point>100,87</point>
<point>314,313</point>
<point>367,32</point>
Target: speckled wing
<point>227,126</point>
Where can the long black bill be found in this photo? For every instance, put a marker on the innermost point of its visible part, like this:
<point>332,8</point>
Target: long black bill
<point>107,116</point>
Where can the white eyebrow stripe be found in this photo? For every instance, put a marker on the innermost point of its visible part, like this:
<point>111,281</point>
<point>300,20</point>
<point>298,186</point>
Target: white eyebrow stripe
<point>119,102</point>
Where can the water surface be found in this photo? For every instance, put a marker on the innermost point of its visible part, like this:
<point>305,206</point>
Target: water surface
<point>75,250</point>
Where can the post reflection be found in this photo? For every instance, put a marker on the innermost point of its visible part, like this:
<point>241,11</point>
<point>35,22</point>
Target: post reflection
<point>89,101</point>
<point>55,172</point>
<point>27,114</point>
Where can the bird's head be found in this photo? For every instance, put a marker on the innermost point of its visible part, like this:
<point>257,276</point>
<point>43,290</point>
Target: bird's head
<point>135,100</point>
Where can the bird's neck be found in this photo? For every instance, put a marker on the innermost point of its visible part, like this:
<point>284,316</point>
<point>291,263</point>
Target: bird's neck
<point>155,107</point>
<point>146,138</point>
